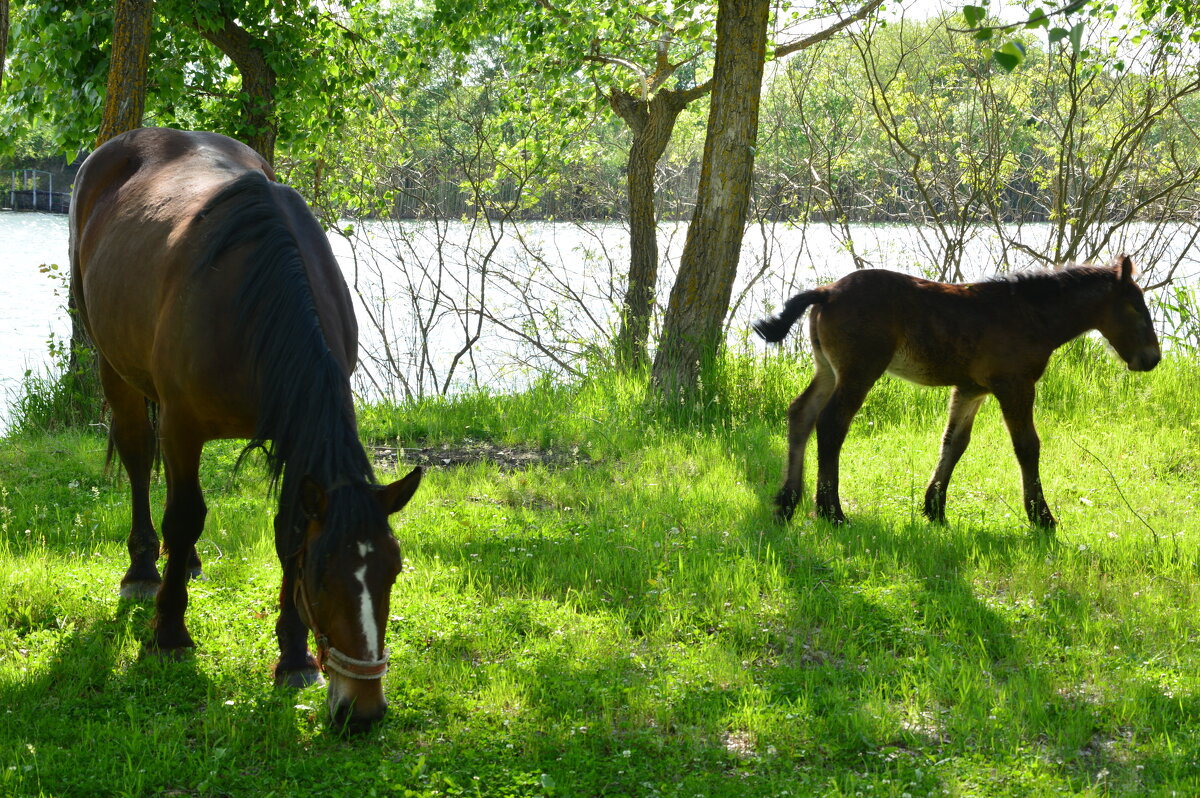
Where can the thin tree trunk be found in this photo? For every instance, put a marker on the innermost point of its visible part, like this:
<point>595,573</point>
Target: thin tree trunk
<point>699,300</point>
<point>258,83</point>
<point>652,124</point>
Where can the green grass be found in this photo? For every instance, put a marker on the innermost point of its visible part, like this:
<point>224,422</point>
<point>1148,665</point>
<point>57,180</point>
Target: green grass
<point>638,625</point>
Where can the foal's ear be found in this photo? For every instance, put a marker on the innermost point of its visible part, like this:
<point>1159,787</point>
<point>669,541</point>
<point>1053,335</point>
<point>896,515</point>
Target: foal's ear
<point>393,497</point>
<point>1124,268</point>
<point>313,500</point>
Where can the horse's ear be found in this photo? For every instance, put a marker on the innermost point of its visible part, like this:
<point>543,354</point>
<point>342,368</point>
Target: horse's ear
<point>394,496</point>
<point>313,500</point>
<point>1125,268</point>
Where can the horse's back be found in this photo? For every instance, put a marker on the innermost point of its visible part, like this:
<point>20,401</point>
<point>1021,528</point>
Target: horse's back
<point>157,290</point>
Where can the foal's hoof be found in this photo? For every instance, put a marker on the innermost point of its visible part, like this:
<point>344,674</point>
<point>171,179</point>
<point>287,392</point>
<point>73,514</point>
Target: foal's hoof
<point>833,516</point>
<point>299,679</point>
<point>935,516</point>
<point>785,505</point>
<point>197,575</point>
<point>139,590</point>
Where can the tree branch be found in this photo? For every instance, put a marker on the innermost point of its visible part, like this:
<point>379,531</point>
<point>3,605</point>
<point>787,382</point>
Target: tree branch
<point>864,11</point>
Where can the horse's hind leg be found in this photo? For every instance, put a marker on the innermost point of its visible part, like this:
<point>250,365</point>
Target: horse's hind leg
<point>802,417</point>
<point>133,436</point>
<point>832,425</point>
<point>183,521</point>
<point>964,404</point>
<point>296,666</point>
<point>1016,402</point>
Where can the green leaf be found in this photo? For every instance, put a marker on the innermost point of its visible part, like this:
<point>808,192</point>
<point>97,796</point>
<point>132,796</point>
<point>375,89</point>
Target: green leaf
<point>1056,34</point>
<point>973,14</point>
<point>1007,61</point>
<point>983,34</point>
<point>1037,19</point>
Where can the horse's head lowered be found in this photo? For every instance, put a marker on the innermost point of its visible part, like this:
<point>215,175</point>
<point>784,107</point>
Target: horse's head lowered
<point>347,565</point>
<point>1126,322</point>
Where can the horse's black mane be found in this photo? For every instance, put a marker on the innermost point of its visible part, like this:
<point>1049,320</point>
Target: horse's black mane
<point>305,422</point>
<point>1050,284</point>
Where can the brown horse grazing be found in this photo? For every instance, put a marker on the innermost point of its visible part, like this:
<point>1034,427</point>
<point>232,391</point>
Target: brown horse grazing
<point>990,337</point>
<point>211,292</point>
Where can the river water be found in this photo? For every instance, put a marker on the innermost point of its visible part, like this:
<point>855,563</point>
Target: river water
<point>453,306</point>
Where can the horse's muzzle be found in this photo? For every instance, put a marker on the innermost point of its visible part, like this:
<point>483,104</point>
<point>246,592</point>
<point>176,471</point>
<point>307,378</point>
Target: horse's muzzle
<point>350,719</point>
<point>354,706</point>
<point>1146,359</point>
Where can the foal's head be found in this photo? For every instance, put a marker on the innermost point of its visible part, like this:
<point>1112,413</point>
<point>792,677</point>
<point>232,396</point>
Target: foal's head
<point>1125,321</point>
<point>347,566</point>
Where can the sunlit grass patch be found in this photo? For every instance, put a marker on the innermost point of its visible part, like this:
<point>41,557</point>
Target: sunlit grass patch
<point>637,624</point>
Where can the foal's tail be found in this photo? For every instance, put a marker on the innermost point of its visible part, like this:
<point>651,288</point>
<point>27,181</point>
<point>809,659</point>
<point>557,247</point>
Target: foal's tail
<point>775,328</point>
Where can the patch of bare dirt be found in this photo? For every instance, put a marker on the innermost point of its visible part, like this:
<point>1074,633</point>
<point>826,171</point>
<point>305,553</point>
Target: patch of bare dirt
<point>508,458</point>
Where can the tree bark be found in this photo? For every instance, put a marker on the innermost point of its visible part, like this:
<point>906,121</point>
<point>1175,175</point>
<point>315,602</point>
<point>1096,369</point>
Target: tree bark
<point>652,124</point>
<point>695,316</point>
<point>125,94</point>
<point>258,83</point>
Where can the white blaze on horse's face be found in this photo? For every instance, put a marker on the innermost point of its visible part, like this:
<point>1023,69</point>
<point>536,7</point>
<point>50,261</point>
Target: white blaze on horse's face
<point>370,629</point>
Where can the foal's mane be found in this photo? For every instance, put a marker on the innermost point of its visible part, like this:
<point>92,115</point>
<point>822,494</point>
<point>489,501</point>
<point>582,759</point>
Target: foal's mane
<point>305,423</point>
<point>1051,284</point>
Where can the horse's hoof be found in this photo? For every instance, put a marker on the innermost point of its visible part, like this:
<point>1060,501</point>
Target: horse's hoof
<point>139,590</point>
<point>173,654</point>
<point>299,679</point>
<point>197,575</point>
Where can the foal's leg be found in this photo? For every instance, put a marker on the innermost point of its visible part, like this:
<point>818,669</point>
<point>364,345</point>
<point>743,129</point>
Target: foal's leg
<point>964,405</point>
<point>1016,402</point>
<point>802,416</point>
<point>832,425</point>
<point>132,435</point>
<point>183,521</point>
<point>296,666</point>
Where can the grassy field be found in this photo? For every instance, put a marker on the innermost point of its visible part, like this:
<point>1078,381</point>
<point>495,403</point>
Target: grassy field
<point>628,619</point>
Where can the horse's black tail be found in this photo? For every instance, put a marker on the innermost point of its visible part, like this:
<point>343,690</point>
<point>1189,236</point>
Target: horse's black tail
<point>775,328</point>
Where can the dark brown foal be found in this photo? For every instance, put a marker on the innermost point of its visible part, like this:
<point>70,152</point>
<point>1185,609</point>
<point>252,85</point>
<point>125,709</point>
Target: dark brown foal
<point>991,337</point>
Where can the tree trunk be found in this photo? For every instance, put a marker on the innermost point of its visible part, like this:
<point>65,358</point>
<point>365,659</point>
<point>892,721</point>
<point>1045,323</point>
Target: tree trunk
<point>652,124</point>
<point>258,83</point>
<point>125,95</point>
<point>692,326</point>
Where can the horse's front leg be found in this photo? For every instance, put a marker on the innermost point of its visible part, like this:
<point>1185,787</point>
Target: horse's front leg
<point>1016,402</point>
<point>964,404</point>
<point>296,666</point>
<point>183,521</point>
